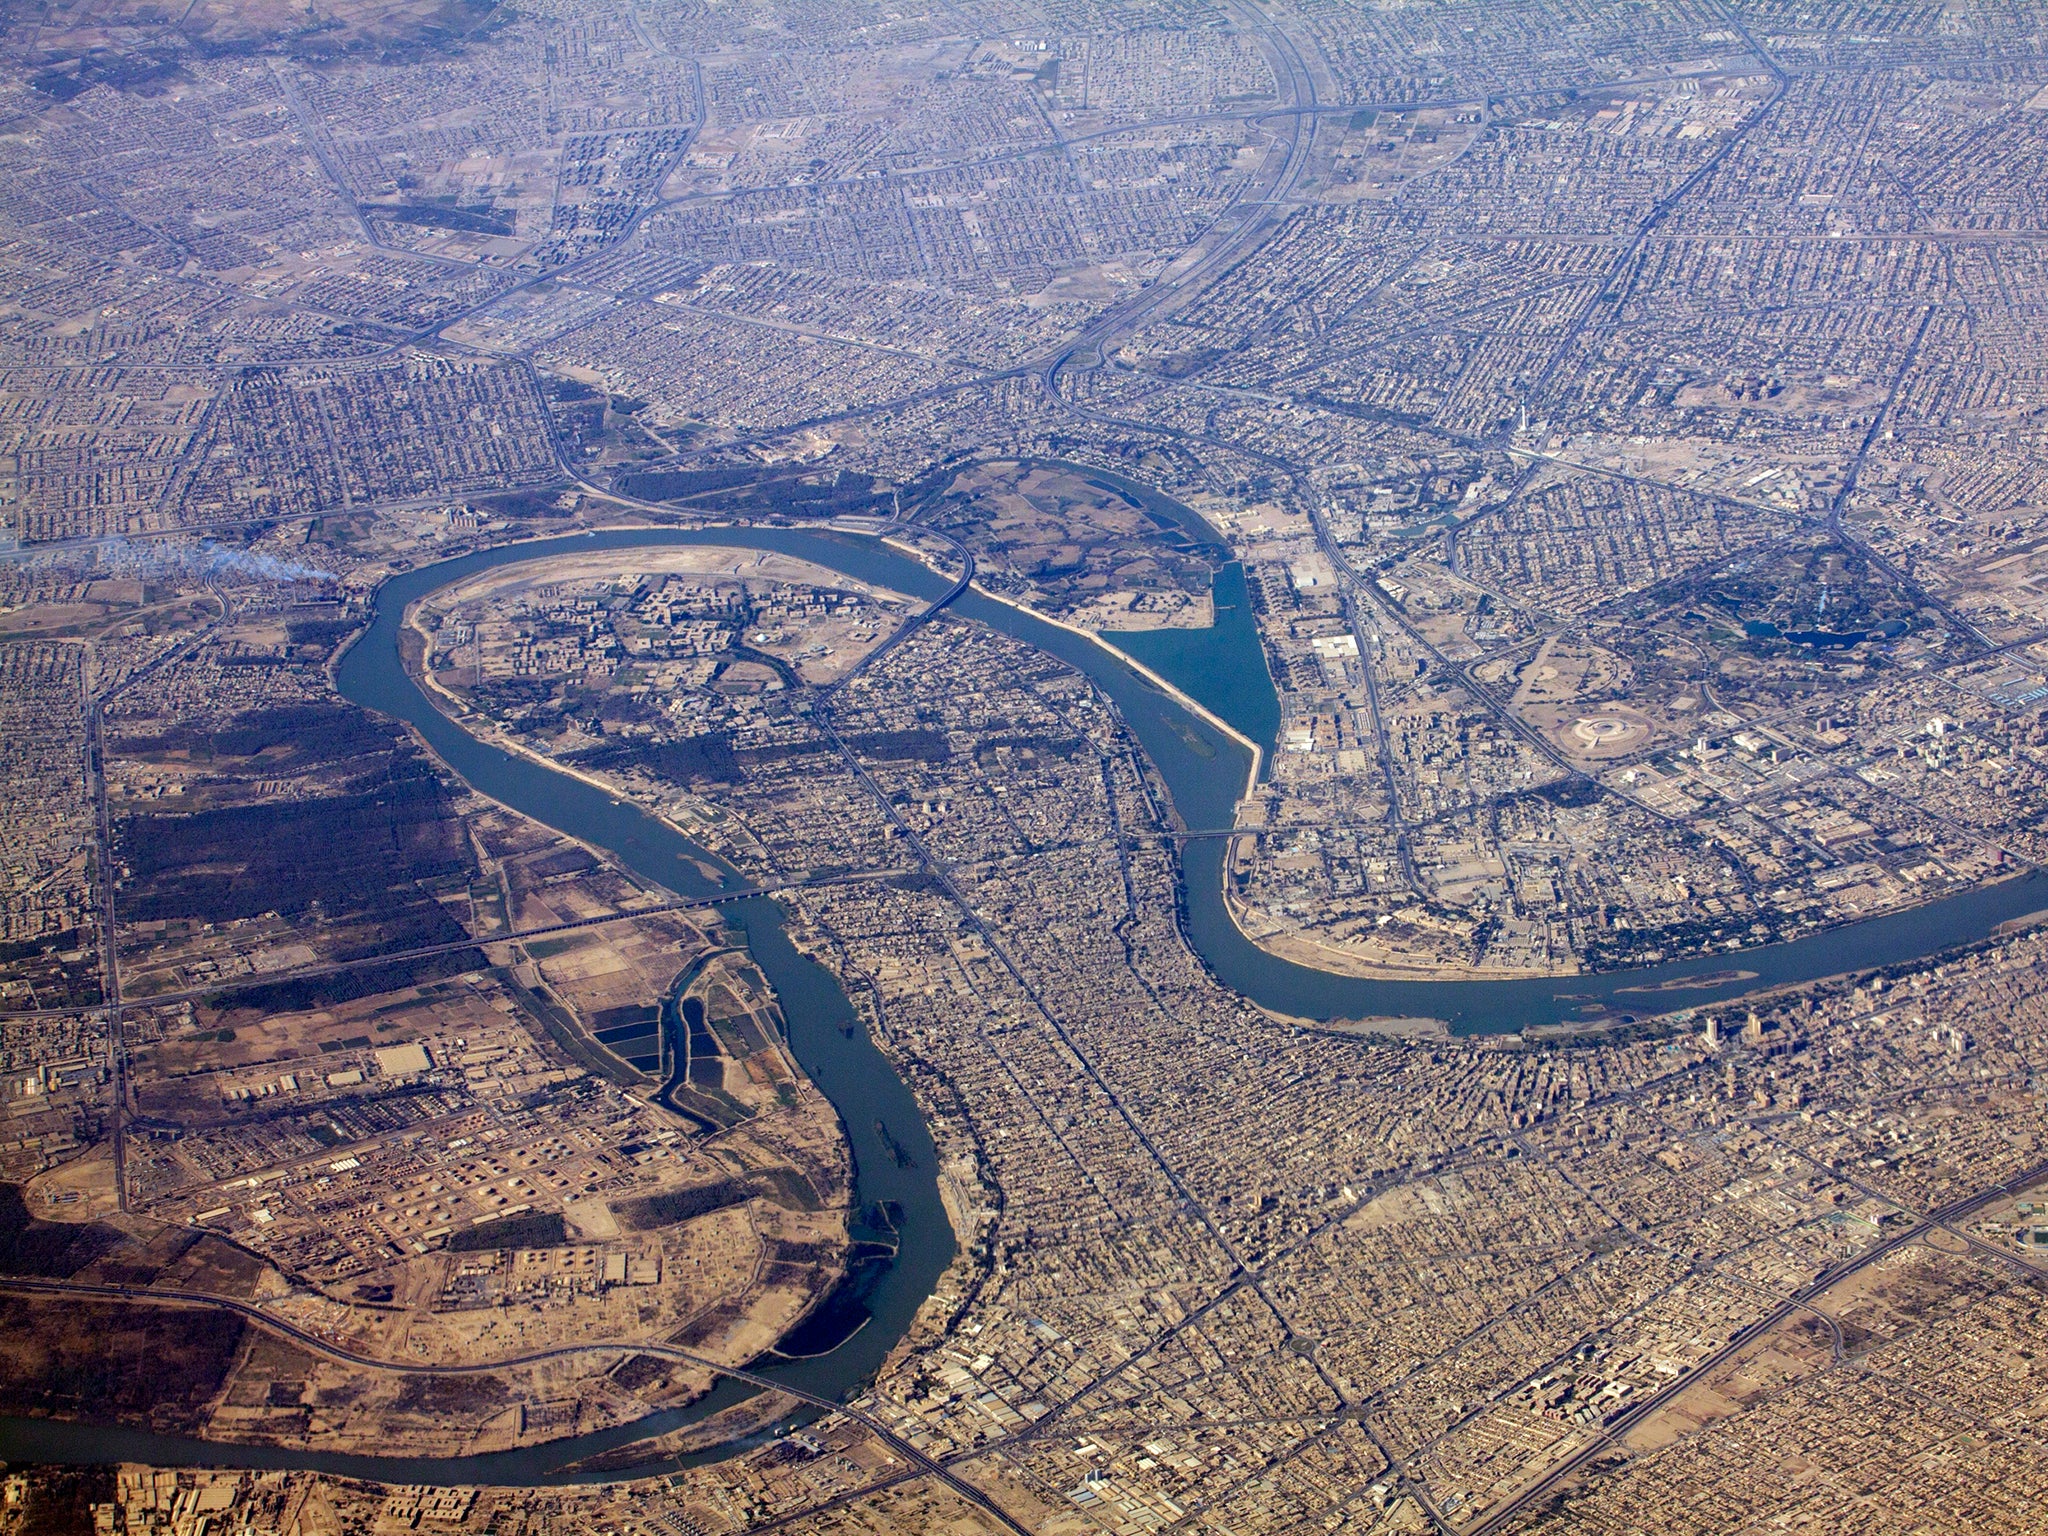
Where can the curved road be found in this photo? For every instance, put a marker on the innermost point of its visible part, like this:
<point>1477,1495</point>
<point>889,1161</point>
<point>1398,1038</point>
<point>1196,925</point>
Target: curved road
<point>1294,75</point>
<point>313,1341</point>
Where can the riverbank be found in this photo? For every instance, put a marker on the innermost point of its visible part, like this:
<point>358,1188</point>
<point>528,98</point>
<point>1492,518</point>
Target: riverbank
<point>1165,685</point>
<point>1205,764</point>
<point>1204,768</point>
<point>893,1155</point>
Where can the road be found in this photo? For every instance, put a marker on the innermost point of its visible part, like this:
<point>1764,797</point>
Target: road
<point>328,1348</point>
<point>108,875</point>
<point>110,960</point>
<point>1839,506</point>
<point>1613,299</point>
<point>917,620</point>
<point>1801,1300</point>
<point>1253,209</point>
<point>453,946</point>
<point>1365,637</point>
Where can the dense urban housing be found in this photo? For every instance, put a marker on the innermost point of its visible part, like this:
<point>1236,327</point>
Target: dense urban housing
<point>1062,768</point>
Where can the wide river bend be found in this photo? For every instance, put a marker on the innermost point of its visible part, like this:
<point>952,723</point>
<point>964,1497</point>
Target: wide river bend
<point>1206,771</point>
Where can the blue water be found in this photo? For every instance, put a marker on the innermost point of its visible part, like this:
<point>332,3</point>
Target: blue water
<point>1223,667</point>
<point>1205,771</point>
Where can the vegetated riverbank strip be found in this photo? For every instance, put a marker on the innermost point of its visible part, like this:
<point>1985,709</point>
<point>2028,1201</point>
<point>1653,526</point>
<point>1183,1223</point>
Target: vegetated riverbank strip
<point>894,1160</point>
<point>1164,684</point>
<point>1204,785</point>
<point>1206,766</point>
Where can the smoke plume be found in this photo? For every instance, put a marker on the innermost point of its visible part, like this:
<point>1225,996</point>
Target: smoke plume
<point>189,559</point>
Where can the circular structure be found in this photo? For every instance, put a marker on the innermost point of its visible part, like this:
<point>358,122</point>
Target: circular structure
<point>1608,732</point>
<point>1600,730</point>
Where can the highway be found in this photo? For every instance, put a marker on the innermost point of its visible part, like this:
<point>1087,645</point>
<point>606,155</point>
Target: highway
<point>106,873</point>
<point>328,1348</point>
<point>1252,209</point>
<point>1801,1300</point>
<point>917,620</point>
<point>1615,299</point>
<point>1840,504</point>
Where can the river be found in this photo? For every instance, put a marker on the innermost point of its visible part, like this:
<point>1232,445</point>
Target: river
<point>1205,770</point>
